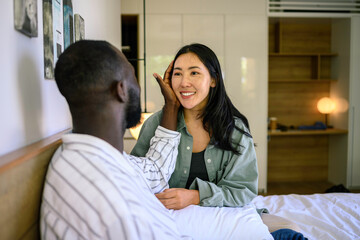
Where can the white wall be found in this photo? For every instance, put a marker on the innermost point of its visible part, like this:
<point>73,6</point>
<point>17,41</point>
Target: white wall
<point>344,151</point>
<point>338,144</point>
<point>236,31</point>
<point>31,107</point>
<point>353,180</point>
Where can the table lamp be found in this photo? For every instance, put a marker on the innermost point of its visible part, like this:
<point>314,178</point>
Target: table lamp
<point>325,106</point>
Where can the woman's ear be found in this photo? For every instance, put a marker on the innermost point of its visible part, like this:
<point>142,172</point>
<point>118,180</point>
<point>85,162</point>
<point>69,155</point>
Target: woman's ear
<point>213,83</point>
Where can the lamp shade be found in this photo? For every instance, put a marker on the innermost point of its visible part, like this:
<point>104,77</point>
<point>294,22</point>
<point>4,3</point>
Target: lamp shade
<point>325,105</point>
<point>135,131</point>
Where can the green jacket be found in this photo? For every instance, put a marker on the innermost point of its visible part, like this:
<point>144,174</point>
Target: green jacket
<point>233,179</point>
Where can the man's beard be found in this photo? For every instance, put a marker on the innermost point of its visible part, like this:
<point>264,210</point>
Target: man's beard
<point>133,109</point>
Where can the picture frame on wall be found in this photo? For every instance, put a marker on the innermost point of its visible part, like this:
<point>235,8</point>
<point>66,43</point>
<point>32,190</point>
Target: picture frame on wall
<point>53,35</point>
<point>58,26</point>
<point>48,40</point>
<point>68,23</point>
<point>79,27</point>
<point>25,17</point>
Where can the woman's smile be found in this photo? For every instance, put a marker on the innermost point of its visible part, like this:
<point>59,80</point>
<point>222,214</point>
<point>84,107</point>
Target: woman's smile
<point>186,94</point>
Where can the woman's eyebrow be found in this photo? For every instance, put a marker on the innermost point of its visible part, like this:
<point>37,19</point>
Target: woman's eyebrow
<point>189,68</point>
<point>193,67</point>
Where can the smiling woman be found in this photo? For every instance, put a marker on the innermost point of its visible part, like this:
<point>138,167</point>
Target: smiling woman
<point>216,165</point>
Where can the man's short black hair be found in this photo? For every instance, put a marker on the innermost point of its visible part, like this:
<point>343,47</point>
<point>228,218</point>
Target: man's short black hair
<point>86,70</point>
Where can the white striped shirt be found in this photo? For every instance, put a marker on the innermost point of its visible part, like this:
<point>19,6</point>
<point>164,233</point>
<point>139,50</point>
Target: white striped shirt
<point>92,191</point>
<point>159,162</point>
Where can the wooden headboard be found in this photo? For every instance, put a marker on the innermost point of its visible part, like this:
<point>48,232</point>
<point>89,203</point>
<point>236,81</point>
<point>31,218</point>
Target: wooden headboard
<point>22,174</point>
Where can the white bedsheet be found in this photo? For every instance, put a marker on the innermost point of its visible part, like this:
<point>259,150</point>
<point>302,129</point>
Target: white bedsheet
<point>214,223</point>
<point>320,216</point>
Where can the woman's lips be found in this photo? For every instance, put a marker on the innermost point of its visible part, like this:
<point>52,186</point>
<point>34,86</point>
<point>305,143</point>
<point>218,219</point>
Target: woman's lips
<point>186,95</point>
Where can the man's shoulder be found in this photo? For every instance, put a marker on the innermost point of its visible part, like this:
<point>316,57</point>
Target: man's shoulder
<point>83,156</point>
<point>89,192</point>
<point>86,172</point>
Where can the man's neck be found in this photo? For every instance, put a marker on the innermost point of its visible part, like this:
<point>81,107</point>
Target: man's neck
<point>106,125</point>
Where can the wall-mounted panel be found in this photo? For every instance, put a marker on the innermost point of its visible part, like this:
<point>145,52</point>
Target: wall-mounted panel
<point>205,29</point>
<point>246,77</point>
<point>163,40</point>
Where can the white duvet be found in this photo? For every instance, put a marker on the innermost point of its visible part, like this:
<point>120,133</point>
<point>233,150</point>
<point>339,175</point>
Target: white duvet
<point>214,223</point>
<point>331,216</point>
<point>320,216</point>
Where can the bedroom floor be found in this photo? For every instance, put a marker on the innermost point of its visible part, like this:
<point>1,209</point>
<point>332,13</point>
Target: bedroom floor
<point>275,188</point>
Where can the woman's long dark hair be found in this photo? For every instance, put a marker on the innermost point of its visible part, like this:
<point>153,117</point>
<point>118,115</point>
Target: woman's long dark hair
<point>218,117</point>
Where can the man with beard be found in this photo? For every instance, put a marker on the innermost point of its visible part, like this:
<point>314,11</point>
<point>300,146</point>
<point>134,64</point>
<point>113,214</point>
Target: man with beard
<point>93,190</point>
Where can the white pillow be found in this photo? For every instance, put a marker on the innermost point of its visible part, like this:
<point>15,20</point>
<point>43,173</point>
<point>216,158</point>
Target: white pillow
<point>221,223</point>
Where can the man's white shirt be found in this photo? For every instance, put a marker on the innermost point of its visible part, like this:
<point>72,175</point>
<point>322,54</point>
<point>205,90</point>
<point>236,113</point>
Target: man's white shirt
<point>92,191</point>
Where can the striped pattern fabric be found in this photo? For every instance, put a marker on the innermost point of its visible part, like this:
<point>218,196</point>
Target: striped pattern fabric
<point>159,162</point>
<point>92,191</point>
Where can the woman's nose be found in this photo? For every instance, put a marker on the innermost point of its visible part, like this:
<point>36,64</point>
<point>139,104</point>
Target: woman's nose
<point>185,81</point>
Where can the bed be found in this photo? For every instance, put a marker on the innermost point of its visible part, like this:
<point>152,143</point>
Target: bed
<point>319,216</point>
<point>22,173</point>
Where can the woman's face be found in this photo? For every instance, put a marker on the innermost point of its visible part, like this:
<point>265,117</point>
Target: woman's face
<point>191,81</point>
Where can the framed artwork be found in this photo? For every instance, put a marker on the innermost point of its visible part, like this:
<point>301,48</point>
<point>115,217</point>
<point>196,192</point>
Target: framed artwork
<point>48,40</point>
<point>25,17</point>
<point>79,28</point>
<point>53,35</point>
<point>68,23</point>
<point>58,28</point>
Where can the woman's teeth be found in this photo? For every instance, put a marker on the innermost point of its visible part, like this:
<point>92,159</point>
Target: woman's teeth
<point>187,94</point>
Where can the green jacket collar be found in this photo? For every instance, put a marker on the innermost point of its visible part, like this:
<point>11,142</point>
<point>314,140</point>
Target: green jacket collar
<point>181,120</point>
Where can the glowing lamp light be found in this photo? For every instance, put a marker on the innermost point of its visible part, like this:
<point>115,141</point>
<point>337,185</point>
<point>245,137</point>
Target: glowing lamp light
<point>325,106</point>
<point>342,105</point>
<point>135,131</point>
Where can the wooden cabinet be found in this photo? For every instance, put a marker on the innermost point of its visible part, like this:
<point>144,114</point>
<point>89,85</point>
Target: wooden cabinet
<point>300,60</point>
<point>300,67</point>
<point>300,73</point>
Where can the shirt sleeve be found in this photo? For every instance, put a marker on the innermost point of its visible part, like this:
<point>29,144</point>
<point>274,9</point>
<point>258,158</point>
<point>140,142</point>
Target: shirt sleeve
<point>159,162</point>
<point>146,133</point>
<point>236,183</point>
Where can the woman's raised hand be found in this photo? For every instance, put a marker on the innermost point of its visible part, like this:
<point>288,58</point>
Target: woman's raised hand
<point>165,85</point>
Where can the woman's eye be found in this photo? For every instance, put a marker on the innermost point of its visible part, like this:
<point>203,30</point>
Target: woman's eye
<point>176,74</point>
<point>194,73</point>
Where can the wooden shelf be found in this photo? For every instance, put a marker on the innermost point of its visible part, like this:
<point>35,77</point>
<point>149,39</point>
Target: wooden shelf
<point>294,54</point>
<point>302,80</point>
<point>330,131</point>
<point>303,187</point>
<point>300,73</point>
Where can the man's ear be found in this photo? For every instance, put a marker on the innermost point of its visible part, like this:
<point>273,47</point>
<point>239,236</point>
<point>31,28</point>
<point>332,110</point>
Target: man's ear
<point>121,91</point>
